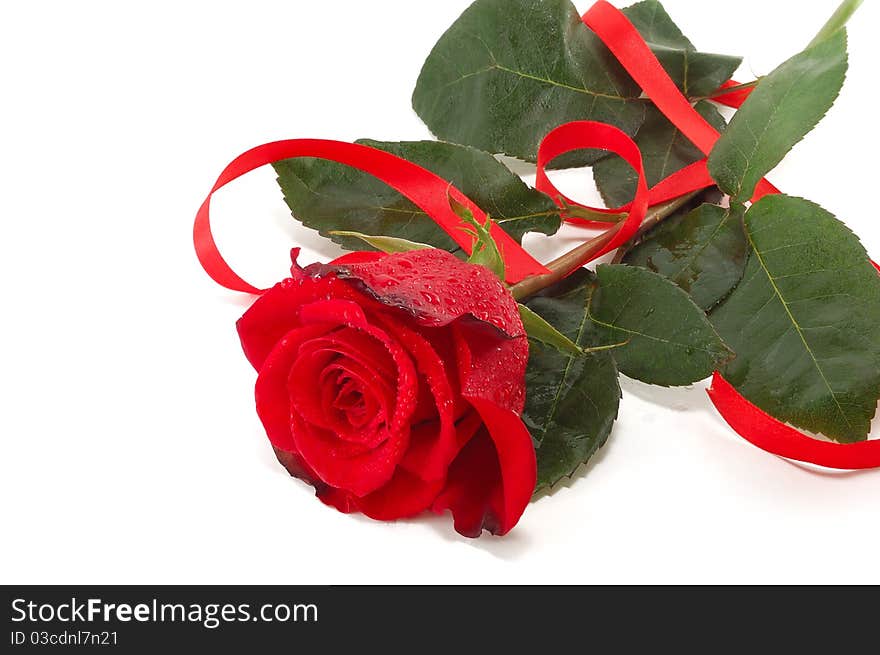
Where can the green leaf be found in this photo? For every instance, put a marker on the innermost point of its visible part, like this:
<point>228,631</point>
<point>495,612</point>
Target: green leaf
<point>804,320</point>
<point>484,251</point>
<point>509,71</point>
<point>696,73</point>
<point>671,342</point>
<point>664,150</point>
<point>385,244</point>
<point>784,106</point>
<point>571,401</point>
<point>703,251</point>
<point>329,196</point>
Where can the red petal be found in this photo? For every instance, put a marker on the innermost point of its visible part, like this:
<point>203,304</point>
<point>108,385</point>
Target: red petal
<point>335,310</point>
<point>492,480</point>
<point>472,489</point>
<point>365,354</point>
<point>306,406</point>
<point>276,312</point>
<point>516,459</point>
<point>366,472</point>
<point>436,287</point>
<point>346,419</point>
<point>433,446</point>
<point>492,374</point>
<point>360,473</point>
<point>491,368</point>
<point>272,397</point>
<point>297,467</point>
<point>406,495</point>
<point>359,257</point>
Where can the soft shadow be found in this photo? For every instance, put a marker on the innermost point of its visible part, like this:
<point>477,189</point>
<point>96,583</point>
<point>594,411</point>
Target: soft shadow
<point>240,300</point>
<point>821,472</point>
<point>305,237</point>
<point>679,399</point>
<point>509,547</point>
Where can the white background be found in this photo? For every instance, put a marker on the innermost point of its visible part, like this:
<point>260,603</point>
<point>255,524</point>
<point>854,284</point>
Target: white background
<point>131,449</point>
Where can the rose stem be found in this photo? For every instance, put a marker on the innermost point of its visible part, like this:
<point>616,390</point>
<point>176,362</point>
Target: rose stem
<point>566,264</point>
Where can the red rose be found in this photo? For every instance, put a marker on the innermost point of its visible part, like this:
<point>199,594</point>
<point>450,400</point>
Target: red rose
<point>394,384</point>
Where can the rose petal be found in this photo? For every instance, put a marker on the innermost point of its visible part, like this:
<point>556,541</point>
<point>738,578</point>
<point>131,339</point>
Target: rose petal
<point>404,496</point>
<point>491,368</point>
<point>270,391</point>
<point>433,446</point>
<point>355,409</point>
<point>276,312</point>
<point>334,310</point>
<point>492,375</point>
<point>298,468</point>
<point>358,473</point>
<point>365,472</point>
<point>517,462</point>
<point>365,354</point>
<point>472,490</point>
<point>359,257</point>
<point>435,286</point>
<point>492,480</point>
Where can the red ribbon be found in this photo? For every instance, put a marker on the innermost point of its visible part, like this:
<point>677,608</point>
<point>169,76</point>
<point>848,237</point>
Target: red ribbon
<point>776,437</point>
<point>590,134</point>
<point>421,186</point>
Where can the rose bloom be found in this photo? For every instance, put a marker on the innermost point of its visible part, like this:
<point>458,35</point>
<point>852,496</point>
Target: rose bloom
<point>394,384</point>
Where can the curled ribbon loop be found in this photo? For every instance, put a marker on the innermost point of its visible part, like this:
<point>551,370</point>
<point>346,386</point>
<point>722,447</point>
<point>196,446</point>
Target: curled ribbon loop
<point>425,189</point>
<point>590,134</point>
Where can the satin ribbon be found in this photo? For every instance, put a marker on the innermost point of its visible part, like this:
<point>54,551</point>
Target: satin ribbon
<point>425,189</point>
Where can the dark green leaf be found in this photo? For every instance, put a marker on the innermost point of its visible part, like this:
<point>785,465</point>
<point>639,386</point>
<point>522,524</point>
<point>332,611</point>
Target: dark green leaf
<point>571,401</point>
<point>804,320</point>
<point>671,342</point>
<point>702,251</point>
<point>696,73</point>
<point>329,196</point>
<point>664,151</point>
<point>784,106</point>
<point>509,71</point>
